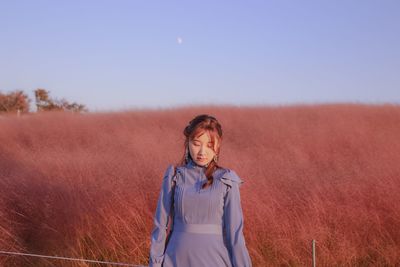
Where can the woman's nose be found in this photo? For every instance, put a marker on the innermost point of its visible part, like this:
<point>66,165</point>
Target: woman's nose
<point>202,149</point>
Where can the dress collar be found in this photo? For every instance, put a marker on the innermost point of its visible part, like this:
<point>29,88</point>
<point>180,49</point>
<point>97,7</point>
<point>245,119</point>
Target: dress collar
<point>192,164</point>
<point>218,173</point>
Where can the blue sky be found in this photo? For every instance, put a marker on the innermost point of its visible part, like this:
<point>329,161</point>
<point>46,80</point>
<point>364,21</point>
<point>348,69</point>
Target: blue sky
<point>112,55</point>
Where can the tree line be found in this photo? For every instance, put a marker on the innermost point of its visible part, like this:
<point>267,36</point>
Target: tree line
<point>19,102</point>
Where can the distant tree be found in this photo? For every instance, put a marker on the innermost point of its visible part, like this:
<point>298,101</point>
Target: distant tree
<point>74,107</point>
<point>15,101</point>
<point>45,103</point>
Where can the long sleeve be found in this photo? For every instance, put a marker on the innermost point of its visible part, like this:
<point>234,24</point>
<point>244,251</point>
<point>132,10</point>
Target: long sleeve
<point>161,218</point>
<point>233,220</point>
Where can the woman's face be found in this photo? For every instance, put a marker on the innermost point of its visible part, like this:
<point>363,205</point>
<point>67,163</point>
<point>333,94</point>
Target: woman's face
<point>201,149</point>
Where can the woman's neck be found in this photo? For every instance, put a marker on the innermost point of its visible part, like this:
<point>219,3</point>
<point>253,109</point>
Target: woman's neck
<point>193,163</point>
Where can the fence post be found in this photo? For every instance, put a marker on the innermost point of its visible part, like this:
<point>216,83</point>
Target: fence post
<point>313,253</point>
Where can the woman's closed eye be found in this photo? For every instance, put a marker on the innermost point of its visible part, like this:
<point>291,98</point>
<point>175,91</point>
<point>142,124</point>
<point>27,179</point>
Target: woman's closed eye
<point>209,145</point>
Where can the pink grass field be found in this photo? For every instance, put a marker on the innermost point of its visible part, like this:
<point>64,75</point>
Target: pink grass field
<point>86,185</point>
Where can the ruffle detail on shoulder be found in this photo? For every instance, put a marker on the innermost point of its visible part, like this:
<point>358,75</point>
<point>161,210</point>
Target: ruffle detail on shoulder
<point>172,172</point>
<point>229,177</point>
<point>169,172</point>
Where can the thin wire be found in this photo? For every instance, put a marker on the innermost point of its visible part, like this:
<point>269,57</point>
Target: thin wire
<point>71,259</point>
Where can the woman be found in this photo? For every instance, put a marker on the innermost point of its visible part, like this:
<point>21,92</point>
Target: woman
<point>200,201</point>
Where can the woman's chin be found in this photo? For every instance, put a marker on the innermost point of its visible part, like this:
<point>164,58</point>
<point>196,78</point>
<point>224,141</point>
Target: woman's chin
<point>201,162</point>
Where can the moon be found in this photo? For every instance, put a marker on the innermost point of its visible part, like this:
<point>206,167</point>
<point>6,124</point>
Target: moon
<point>179,40</point>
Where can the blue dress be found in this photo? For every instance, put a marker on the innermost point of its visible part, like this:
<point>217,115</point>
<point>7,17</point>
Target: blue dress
<point>207,224</point>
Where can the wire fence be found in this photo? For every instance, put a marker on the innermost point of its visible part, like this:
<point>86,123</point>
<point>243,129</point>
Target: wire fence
<point>313,245</point>
<point>70,259</point>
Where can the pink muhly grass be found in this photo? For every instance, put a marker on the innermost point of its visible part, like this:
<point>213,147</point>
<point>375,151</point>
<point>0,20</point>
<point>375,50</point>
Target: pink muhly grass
<point>86,186</point>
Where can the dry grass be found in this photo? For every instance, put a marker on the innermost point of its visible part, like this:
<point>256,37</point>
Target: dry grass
<point>87,185</point>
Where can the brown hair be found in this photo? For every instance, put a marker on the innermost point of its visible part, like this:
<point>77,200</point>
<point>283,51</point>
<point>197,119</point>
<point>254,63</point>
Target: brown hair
<point>197,127</point>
